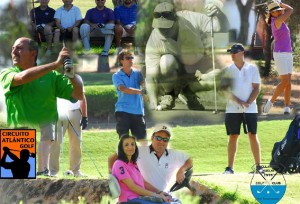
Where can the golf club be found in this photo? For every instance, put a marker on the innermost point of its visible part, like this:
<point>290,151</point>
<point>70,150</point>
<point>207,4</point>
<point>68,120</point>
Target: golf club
<point>213,62</point>
<point>30,155</point>
<point>77,136</point>
<point>245,125</point>
<point>62,146</point>
<point>34,21</point>
<point>268,182</point>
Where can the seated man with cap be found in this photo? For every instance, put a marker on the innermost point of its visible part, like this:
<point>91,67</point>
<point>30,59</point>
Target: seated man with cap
<point>176,53</point>
<point>160,166</point>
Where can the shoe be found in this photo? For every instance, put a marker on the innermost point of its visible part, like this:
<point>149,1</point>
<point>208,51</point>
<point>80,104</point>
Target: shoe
<point>287,110</point>
<point>104,53</point>
<point>43,173</point>
<point>182,98</point>
<point>228,170</point>
<point>167,102</point>
<point>259,169</point>
<point>268,106</point>
<point>79,174</point>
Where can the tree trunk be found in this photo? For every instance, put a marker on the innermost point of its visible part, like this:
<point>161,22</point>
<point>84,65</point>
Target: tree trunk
<point>244,16</point>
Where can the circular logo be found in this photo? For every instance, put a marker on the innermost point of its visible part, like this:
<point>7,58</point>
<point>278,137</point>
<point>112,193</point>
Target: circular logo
<point>267,185</point>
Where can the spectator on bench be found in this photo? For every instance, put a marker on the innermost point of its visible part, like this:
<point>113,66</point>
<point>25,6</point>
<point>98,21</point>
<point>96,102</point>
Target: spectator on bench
<point>125,16</point>
<point>42,22</point>
<point>67,19</point>
<point>119,2</point>
<point>99,21</point>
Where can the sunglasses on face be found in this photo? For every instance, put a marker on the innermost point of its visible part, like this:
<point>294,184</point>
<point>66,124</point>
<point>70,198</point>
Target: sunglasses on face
<point>159,138</point>
<point>129,58</point>
<point>167,15</point>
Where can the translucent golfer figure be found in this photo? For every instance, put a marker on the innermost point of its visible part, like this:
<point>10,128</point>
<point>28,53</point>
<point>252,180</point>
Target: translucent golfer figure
<point>243,81</point>
<point>174,51</point>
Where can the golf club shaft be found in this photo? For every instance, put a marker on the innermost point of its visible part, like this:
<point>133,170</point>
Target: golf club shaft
<point>83,144</point>
<point>62,145</point>
<point>213,62</point>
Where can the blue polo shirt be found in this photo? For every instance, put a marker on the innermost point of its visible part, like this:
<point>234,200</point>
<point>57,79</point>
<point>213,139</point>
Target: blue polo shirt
<point>95,15</point>
<point>126,15</point>
<point>129,103</point>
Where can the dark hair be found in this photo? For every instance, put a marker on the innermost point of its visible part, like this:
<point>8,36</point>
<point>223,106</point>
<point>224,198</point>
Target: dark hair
<point>33,46</point>
<point>121,154</point>
<point>123,53</point>
<point>24,154</point>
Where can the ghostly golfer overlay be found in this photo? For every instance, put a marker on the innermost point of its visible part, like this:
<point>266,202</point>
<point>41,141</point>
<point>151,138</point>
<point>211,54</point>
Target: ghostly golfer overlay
<point>269,186</point>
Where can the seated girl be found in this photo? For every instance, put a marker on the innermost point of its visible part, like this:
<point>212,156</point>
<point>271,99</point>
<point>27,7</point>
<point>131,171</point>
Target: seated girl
<point>129,176</point>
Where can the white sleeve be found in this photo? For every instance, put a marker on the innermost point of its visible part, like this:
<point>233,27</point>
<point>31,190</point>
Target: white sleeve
<point>57,14</point>
<point>255,75</point>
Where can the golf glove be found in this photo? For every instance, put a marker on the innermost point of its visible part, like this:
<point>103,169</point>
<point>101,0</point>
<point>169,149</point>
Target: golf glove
<point>68,68</point>
<point>84,123</point>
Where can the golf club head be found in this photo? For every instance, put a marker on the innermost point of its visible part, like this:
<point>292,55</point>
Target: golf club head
<point>185,183</point>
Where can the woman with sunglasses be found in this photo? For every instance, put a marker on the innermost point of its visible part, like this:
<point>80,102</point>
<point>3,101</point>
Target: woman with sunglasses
<point>130,179</point>
<point>282,53</point>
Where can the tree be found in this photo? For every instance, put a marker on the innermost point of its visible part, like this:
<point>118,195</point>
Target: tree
<point>244,16</point>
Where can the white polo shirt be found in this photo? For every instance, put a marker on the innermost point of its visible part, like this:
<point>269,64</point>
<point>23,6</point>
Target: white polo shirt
<point>242,88</point>
<point>68,18</point>
<point>160,173</point>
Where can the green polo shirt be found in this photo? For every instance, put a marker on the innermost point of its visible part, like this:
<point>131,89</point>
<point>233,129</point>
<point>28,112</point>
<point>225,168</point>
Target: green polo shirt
<point>33,103</point>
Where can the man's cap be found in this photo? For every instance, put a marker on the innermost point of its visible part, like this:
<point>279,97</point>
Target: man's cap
<point>236,48</point>
<point>162,127</point>
<point>162,22</point>
<point>274,6</point>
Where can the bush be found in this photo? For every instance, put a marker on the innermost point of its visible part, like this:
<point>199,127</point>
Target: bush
<point>101,100</point>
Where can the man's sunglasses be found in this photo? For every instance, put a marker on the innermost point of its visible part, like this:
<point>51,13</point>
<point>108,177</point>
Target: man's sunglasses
<point>159,138</point>
<point>129,58</point>
<point>167,15</point>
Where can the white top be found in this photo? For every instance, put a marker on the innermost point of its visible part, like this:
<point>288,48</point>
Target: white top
<point>160,173</point>
<point>64,105</point>
<point>243,79</point>
<point>68,18</point>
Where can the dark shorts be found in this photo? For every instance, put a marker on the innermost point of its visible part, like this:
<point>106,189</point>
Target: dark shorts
<point>66,35</point>
<point>135,123</point>
<point>233,123</point>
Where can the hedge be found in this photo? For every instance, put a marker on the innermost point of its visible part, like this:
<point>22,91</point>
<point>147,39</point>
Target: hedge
<point>101,100</point>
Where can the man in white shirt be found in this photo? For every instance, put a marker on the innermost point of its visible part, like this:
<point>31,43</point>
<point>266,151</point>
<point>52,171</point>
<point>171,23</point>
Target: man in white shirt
<point>241,105</point>
<point>67,19</point>
<point>160,166</point>
<point>73,119</point>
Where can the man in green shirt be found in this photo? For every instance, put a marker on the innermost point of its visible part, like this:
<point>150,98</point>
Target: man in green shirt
<point>30,93</point>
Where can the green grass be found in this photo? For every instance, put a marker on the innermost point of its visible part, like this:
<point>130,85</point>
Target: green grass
<point>207,145</point>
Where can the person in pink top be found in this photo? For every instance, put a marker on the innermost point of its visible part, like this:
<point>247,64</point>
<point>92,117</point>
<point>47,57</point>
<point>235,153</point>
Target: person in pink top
<point>130,179</point>
<point>282,53</point>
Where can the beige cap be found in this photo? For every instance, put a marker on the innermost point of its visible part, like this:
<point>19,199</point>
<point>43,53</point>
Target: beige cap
<point>274,6</point>
<point>163,22</point>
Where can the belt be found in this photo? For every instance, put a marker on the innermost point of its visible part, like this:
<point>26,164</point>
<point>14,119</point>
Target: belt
<point>74,110</point>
